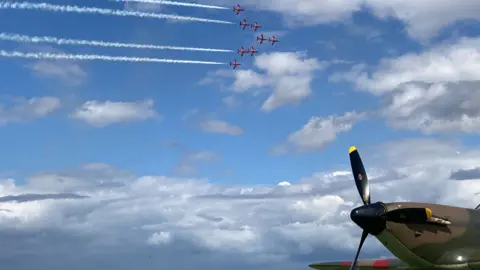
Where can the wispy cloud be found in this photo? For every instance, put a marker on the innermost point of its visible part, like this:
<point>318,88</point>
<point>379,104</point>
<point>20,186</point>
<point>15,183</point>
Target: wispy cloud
<point>22,109</point>
<point>104,113</point>
<point>219,126</point>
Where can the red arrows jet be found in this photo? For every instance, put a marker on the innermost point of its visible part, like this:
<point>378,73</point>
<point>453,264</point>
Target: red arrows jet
<point>242,51</point>
<point>273,40</point>
<point>261,38</point>
<point>252,51</point>
<point>238,9</point>
<point>255,26</point>
<point>244,23</point>
<point>234,64</point>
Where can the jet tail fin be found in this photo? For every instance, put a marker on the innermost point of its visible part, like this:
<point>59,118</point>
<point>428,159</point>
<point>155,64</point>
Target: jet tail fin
<point>478,207</point>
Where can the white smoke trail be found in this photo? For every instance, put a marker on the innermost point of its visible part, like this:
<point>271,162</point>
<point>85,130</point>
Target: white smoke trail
<point>85,57</point>
<point>101,11</point>
<point>63,41</point>
<point>172,3</point>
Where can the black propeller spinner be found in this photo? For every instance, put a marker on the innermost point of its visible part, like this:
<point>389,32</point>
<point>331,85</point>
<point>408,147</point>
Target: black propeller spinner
<point>372,217</point>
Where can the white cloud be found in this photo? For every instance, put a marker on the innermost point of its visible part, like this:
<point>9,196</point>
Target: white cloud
<point>442,64</point>
<point>68,72</point>
<point>247,79</point>
<point>160,238</point>
<point>219,126</point>
<point>318,132</point>
<point>22,110</point>
<point>148,221</point>
<point>191,160</point>
<point>104,113</point>
<point>422,18</point>
<point>288,74</point>
<point>98,176</point>
<point>433,91</point>
<point>65,71</point>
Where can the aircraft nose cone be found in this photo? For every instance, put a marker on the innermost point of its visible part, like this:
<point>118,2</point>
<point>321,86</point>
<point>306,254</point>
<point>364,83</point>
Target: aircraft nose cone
<point>364,212</point>
<point>368,217</point>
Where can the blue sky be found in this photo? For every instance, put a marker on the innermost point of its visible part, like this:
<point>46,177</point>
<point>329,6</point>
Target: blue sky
<point>397,79</point>
<point>175,89</point>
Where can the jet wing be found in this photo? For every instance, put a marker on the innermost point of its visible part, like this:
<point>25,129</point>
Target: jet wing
<point>362,264</point>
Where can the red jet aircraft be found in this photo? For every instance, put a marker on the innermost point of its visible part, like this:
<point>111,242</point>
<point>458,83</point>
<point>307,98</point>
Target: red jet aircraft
<point>234,64</point>
<point>255,26</point>
<point>252,51</point>
<point>238,9</point>
<point>244,23</point>
<point>273,40</point>
<point>242,51</point>
<point>261,38</point>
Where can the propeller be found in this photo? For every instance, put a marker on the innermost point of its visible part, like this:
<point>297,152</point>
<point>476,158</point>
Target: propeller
<point>361,181</point>
<point>372,218</point>
<point>360,175</point>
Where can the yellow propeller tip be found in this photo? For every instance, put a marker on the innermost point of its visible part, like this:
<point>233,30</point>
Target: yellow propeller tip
<point>429,213</point>
<point>351,149</point>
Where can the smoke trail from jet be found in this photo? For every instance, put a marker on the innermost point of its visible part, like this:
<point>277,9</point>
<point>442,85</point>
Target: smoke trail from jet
<point>172,3</point>
<point>101,11</point>
<point>91,57</point>
<point>63,41</point>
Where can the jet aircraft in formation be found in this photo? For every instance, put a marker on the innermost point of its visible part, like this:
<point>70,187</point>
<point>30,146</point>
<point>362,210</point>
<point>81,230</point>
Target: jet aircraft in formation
<point>255,26</point>
<point>244,24</point>
<point>234,64</point>
<point>261,38</point>
<point>252,51</point>
<point>273,40</point>
<point>420,235</point>
<point>242,51</point>
<point>238,9</point>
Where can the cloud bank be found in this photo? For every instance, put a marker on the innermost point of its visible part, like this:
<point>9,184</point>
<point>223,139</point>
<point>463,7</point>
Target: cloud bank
<point>108,217</point>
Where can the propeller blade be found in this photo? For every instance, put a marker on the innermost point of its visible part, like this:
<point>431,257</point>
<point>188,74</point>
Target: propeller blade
<point>409,215</point>
<point>362,240</point>
<point>360,175</point>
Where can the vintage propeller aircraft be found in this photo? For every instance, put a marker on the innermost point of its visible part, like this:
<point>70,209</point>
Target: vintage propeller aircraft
<point>255,26</point>
<point>238,9</point>
<point>273,40</point>
<point>420,235</point>
<point>244,24</point>
<point>242,51</point>
<point>252,51</point>
<point>261,38</point>
<point>234,64</point>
